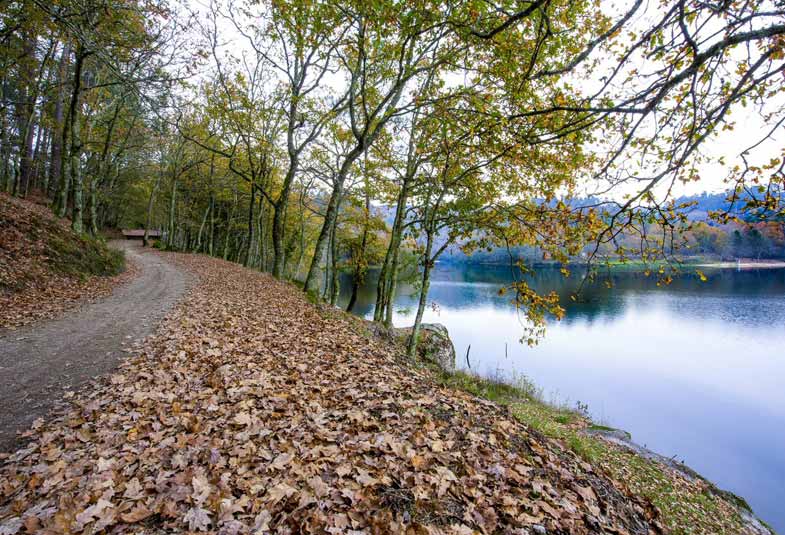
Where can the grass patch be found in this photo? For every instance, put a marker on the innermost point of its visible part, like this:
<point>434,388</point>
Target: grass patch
<point>83,256</point>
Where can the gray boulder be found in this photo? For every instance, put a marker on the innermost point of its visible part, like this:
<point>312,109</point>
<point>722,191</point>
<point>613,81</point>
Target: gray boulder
<point>435,346</point>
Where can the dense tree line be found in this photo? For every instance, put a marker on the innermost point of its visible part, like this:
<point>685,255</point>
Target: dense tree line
<point>272,133</point>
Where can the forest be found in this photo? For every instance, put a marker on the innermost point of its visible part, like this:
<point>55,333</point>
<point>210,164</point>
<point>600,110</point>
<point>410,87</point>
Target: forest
<point>278,134</point>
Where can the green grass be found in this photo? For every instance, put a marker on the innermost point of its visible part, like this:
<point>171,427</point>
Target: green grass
<point>82,256</point>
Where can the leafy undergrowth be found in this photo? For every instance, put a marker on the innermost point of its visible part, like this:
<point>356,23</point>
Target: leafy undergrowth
<point>685,504</point>
<point>45,267</point>
<point>254,411</point>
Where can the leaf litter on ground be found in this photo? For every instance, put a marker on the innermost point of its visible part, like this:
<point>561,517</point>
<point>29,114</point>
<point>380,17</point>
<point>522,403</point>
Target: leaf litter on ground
<point>253,411</point>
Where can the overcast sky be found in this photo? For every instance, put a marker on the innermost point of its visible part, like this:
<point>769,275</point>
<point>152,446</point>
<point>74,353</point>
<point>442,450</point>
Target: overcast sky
<point>748,125</point>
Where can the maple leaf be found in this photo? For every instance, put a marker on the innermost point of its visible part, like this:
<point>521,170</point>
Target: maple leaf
<point>92,513</point>
<point>278,492</point>
<point>133,490</point>
<point>198,519</point>
<point>201,489</point>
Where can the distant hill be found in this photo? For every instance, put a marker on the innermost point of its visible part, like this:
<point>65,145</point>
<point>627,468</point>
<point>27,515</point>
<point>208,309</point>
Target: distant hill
<point>702,205</point>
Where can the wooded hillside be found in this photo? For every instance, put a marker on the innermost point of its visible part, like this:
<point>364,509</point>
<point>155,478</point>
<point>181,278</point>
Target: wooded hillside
<point>44,265</point>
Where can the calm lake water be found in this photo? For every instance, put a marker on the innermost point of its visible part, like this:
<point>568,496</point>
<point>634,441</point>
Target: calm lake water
<point>694,370</point>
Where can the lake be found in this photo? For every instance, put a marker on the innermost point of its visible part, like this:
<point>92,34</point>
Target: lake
<point>694,370</point>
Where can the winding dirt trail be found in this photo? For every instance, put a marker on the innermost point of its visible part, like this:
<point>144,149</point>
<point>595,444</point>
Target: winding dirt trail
<point>40,363</point>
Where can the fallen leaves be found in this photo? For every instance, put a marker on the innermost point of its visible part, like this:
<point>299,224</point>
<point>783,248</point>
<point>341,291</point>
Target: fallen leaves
<point>252,411</point>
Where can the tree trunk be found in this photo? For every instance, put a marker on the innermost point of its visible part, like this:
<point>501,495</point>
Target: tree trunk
<point>170,237</point>
<point>229,228</point>
<point>393,283</point>
<point>360,266</point>
<point>335,284</point>
<point>251,206</point>
<point>426,283</point>
<point>75,152</point>
<point>385,287</point>
<point>212,223</point>
<point>198,246</point>
<point>40,172</point>
<point>311,280</point>
<point>150,201</point>
<point>26,112</point>
<point>59,128</point>
<point>93,205</point>
<point>5,142</point>
<point>279,219</point>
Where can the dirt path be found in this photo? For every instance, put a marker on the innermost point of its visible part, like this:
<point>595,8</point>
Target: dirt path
<point>40,363</point>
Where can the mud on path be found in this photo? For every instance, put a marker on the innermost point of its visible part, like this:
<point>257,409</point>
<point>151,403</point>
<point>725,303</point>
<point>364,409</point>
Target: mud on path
<point>40,363</point>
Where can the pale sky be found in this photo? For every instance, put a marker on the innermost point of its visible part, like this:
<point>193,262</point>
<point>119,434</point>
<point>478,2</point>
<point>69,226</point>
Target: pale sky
<point>748,127</point>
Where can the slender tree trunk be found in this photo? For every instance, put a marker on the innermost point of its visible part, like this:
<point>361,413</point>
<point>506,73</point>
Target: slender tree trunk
<point>263,264</point>
<point>75,152</point>
<point>360,264</point>
<point>392,287</point>
<point>5,142</point>
<point>93,205</point>
<point>26,158</point>
<point>150,202</point>
<point>75,165</point>
<point>198,247</point>
<point>426,283</point>
<point>170,238</point>
<point>212,223</point>
<point>26,112</point>
<point>260,233</point>
<point>251,206</point>
<point>301,253</point>
<point>229,228</point>
<point>279,220</point>
<point>33,176</point>
<point>385,287</point>
<point>40,172</point>
<point>59,128</point>
<point>312,279</point>
<point>335,283</point>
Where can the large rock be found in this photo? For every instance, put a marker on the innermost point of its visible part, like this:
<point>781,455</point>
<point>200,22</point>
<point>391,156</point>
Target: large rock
<point>435,346</point>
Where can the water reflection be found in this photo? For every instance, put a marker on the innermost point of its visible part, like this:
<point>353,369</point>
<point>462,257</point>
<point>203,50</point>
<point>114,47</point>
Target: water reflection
<point>693,369</point>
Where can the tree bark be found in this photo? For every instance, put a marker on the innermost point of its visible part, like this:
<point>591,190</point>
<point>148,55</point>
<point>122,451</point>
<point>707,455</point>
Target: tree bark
<point>312,280</point>
<point>75,151</point>
<point>426,283</point>
<point>150,201</point>
<point>170,237</point>
<point>335,285</point>
<point>59,126</point>
<point>26,112</point>
<point>360,267</point>
<point>251,206</point>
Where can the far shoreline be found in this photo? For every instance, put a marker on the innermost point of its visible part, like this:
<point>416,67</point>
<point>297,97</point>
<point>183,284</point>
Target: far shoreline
<point>718,264</point>
<point>754,264</point>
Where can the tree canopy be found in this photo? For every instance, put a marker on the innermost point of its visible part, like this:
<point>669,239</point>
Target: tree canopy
<point>279,133</point>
